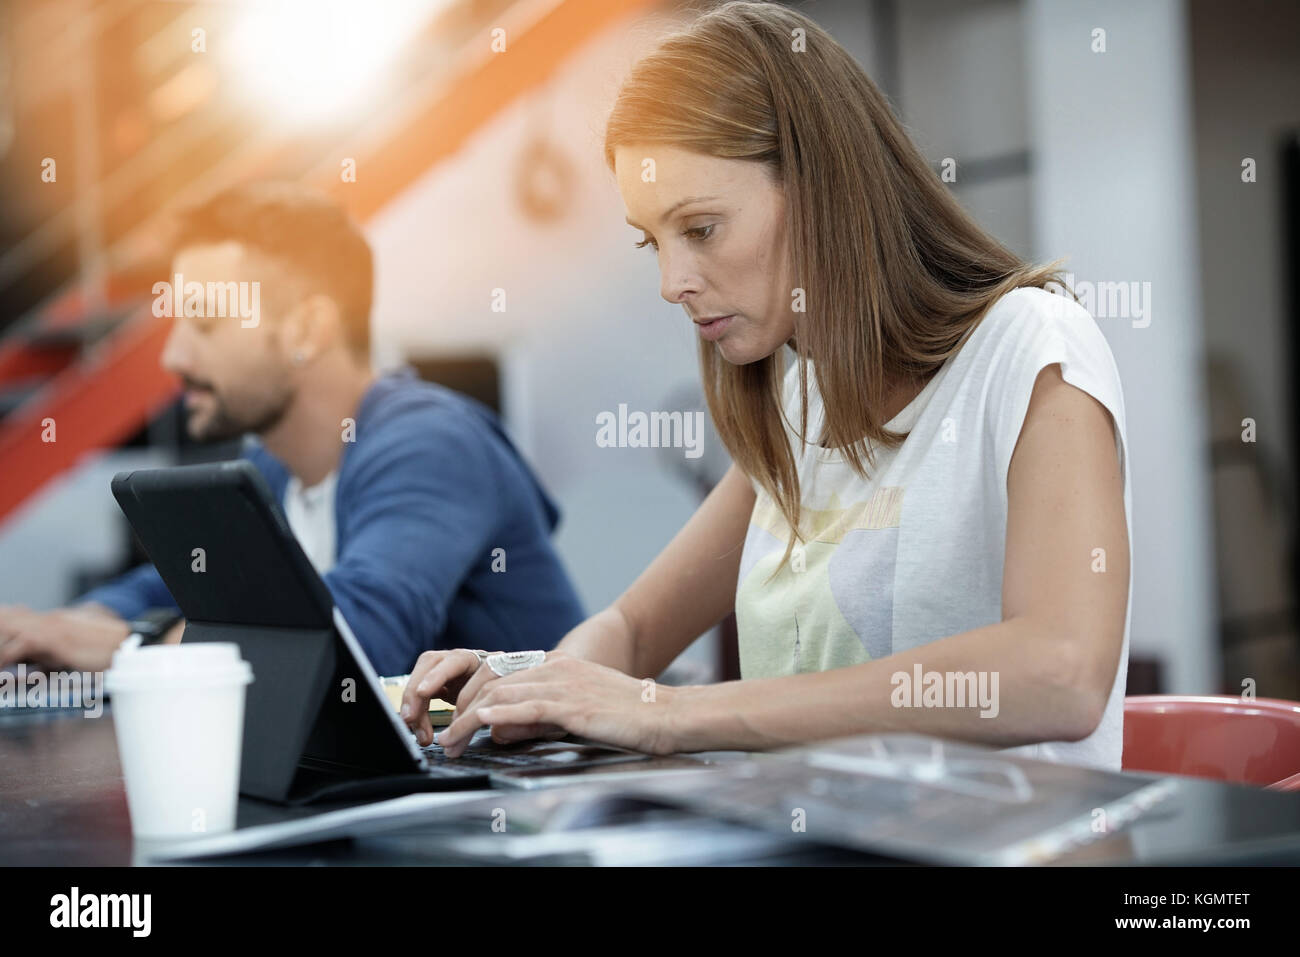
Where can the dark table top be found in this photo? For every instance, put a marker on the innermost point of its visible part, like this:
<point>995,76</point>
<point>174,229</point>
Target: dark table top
<point>63,801</point>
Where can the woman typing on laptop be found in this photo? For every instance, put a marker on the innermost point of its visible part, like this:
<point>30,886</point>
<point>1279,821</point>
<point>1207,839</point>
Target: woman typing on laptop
<point>926,525</point>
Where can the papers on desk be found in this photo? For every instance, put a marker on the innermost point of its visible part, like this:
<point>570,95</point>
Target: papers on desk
<point>925,800</point>
<point>571,825</point>
<point>329,825</point>
<point>904,796</point>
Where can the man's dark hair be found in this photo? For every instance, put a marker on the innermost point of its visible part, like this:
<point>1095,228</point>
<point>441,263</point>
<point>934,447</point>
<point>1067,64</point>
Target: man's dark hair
<point>304,229</point>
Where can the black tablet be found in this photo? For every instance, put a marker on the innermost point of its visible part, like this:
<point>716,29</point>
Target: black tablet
<point>316,715</point>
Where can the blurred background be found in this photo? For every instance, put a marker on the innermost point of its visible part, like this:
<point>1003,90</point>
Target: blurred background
<point>1154,145</point>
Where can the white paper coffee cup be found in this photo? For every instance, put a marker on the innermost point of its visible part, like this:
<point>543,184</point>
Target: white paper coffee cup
<point>178,711</point>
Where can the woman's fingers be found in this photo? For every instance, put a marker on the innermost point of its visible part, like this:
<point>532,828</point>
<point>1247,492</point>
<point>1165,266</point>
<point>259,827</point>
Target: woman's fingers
<point>536,713</point>
<point>469,694</point>
<point>423,665</point>
<point>509,734</point>
<point>449,672</point>
<point>434,672</point>
<point>13,650</point>
<point>456,736</point>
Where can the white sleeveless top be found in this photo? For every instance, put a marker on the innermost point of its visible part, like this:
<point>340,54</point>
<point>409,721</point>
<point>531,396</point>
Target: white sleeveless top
<point>916,552</point>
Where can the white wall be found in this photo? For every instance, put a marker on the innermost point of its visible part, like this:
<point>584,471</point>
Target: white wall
<point>962,96</point>
<point>1114,190</point>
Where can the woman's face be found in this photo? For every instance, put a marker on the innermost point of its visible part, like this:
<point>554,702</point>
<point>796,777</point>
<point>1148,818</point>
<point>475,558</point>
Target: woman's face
<point>718,229</point>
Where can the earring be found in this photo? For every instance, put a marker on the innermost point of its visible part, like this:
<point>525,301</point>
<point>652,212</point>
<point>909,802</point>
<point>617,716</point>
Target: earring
<point>299,357</point>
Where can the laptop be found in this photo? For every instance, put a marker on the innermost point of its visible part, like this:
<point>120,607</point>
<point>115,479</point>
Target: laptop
<point>317,723</point>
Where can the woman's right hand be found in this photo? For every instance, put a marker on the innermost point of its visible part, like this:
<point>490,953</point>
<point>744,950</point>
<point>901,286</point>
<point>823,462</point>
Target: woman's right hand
<point>437,674</point>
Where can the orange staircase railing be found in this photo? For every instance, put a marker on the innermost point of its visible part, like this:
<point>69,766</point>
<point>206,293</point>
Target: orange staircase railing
<point>90,405</point>
<point>119,387</point>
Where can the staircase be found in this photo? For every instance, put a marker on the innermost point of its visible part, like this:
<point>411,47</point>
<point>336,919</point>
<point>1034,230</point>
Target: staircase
<point>79,366</point>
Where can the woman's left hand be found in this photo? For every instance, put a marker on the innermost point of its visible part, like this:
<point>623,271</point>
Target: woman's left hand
<point>577,696</point>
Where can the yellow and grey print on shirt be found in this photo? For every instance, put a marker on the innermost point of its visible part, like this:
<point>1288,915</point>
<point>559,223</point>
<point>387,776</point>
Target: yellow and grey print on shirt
<point>832,604</point>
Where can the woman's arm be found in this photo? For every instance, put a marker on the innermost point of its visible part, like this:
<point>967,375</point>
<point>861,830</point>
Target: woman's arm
<point>687,589</point>
<point>1054,653</point>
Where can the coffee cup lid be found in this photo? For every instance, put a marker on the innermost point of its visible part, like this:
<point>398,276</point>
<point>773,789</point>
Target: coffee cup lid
<point>196,664</point>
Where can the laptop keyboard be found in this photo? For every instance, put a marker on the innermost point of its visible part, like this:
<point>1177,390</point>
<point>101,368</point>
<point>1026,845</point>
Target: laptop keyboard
<point>485,756</point>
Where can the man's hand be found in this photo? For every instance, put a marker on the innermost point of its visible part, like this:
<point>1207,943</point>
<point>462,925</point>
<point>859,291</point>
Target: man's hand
<point>67,639</point>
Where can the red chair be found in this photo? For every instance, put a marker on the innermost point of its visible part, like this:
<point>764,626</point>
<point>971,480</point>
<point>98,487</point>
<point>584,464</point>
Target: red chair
<point>1225,738</point>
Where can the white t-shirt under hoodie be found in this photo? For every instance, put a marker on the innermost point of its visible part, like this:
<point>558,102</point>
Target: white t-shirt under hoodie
<point>916,552</point>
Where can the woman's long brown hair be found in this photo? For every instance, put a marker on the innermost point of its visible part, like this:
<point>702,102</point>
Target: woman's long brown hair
<point>894,272</point>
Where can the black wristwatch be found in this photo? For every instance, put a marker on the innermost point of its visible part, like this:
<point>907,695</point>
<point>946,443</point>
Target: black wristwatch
<point>152,625</point>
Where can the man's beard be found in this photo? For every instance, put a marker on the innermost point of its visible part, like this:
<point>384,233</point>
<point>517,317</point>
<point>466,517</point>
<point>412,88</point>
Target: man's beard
<point>223,426</point>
